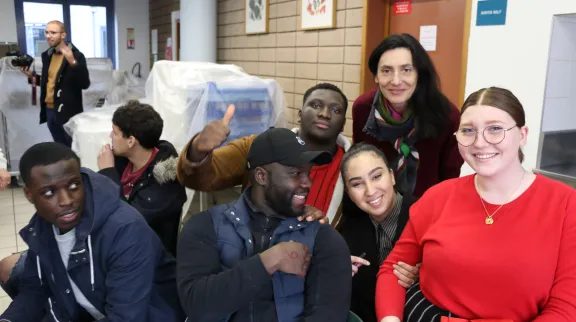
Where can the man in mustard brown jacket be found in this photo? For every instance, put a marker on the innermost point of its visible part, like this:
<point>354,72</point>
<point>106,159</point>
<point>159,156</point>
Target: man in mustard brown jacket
<point>205,166</point>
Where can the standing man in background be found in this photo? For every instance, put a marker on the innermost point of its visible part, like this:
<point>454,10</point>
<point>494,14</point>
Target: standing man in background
<point>64,76</point>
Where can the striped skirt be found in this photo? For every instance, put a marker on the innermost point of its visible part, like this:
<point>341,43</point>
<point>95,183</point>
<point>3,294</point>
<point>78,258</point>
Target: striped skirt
<point>419,309</point>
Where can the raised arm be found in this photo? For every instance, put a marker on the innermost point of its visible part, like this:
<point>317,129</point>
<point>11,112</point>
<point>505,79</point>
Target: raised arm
<point>205,167</point>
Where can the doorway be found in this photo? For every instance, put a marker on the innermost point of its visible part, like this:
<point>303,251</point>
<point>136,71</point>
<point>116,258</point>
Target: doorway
<point>452,21</point>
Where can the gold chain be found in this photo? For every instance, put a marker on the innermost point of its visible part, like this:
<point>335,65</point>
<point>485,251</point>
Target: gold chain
<point>489,220</point>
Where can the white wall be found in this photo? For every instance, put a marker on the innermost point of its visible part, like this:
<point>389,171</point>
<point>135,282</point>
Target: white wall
<point>133,14</point>
<point>560,96</point>
<point>515,56</point>
<point>7,21</point>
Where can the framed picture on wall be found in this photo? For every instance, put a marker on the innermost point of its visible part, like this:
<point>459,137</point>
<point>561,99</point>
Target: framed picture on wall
<point>318,14</point>
<point>256,16</point>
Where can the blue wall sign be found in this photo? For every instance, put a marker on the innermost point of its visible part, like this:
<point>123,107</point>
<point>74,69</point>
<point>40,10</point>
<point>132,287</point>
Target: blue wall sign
<point>491,12</point>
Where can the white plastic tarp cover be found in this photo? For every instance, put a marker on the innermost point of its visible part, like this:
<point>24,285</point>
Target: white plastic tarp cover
<point>21,128</point>
<point>90,131</point>
<point>188,95</point>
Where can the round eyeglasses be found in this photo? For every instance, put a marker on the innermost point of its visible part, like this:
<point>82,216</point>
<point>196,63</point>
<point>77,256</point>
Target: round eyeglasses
<point>493,134</point>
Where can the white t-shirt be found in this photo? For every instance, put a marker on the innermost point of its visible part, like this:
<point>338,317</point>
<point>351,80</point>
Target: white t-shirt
<point>65,244</point>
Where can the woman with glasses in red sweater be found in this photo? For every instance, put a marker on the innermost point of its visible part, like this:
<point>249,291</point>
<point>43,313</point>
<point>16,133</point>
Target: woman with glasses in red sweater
<point>496,245</point>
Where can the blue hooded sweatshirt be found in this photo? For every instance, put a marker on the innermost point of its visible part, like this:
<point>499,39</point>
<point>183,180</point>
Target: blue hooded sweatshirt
<point>118,263</point>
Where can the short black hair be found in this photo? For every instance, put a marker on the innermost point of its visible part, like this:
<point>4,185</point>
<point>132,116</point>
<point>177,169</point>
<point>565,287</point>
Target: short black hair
<point>431,107</point>
<point>44,153</point>
<point>327,86</point>
<point>358,148</point>
<point>140,121</point>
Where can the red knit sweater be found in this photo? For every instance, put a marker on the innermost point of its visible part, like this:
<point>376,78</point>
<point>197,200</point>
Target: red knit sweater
<point>523,267</point>
<point>439,158</point>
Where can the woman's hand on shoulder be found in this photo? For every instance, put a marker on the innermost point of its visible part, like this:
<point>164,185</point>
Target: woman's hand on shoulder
<point>407,275</point>
<point>311,214</point>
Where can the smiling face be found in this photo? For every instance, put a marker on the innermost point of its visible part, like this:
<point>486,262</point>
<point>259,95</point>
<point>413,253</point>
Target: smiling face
<point>370,184</point>
<point>57,192</point>
<point>485,158</point>
<point>323,115</point>
<point>397,76</point>
<point>286,188</point>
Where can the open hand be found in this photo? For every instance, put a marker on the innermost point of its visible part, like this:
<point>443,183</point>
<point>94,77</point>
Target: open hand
<point>407,275</point>
<point>311,214</point>
<point>66,51</point>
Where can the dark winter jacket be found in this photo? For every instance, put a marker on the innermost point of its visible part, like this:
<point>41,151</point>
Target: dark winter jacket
<point>118,263</point>
<point>157,194</point>
<point>68,87</point>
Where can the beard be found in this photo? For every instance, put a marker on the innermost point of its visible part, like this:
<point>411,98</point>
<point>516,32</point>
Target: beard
<point>281,201</point>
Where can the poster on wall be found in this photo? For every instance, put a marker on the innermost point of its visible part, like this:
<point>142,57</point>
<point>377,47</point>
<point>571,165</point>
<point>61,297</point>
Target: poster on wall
<point>318,14</point>
<point>256,16</point>
<point>130,41</point>
<point>168,49</point>
<point>428,36</point>
<point>402,7</point>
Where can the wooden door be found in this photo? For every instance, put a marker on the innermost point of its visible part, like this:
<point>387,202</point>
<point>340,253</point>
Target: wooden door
<point>452,18</point>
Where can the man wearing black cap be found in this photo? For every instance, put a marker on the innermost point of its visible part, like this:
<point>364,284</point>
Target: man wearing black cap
<point>252,260</point>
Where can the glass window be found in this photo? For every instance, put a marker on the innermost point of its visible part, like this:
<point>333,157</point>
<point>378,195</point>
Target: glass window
<point>89,30</point>
<point>35,24</point>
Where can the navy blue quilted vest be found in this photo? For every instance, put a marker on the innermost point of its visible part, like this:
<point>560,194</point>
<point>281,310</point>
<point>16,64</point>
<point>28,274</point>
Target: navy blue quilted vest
<point>235,244</point>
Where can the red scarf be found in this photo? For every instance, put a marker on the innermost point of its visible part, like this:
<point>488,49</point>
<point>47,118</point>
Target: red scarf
<point>130,178</point>
<point>324,179</point>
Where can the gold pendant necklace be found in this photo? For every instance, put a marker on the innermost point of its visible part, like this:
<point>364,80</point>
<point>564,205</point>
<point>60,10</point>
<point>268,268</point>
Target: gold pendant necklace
<point>489,220</point>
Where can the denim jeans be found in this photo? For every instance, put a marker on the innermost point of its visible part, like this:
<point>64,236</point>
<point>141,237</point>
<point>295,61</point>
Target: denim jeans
<point>59,135</point>
<point>12,285</point>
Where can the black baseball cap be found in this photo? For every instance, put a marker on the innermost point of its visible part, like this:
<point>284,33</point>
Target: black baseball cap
<point>283,146</point>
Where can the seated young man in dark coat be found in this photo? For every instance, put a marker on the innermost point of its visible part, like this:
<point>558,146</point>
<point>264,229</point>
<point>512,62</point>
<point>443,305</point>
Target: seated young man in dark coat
<point>253,260</point>
<point>145,167</point>
<point>91,256</point>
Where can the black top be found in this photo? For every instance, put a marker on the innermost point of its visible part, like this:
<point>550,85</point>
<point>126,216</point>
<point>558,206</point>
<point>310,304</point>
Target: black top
<point>358,230</point>
<point>209,293</point>
<point>68,86</point>
<point>157,194</point>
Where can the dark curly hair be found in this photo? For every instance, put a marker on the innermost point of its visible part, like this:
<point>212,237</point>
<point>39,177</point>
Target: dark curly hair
<point>140,121</point>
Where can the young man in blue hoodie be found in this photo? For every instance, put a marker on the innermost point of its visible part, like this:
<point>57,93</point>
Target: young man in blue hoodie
<point>91,256</point>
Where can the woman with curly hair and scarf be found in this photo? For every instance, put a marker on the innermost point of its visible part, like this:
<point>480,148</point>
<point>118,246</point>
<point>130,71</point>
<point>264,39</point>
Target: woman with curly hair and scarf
<point>408,117</point>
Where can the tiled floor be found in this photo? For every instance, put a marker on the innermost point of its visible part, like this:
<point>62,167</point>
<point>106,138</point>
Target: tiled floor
<point>15,212</point>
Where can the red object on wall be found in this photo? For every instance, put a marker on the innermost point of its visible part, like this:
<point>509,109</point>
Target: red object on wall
<point>402,7</point>
<point>168,50</point>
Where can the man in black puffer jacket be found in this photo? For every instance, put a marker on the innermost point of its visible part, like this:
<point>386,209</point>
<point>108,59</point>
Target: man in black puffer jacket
<point>145,168</point>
